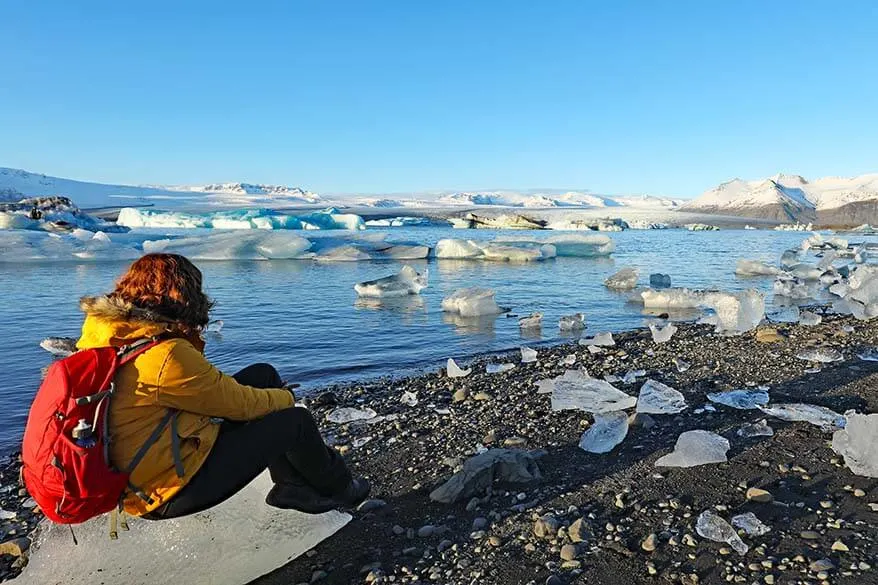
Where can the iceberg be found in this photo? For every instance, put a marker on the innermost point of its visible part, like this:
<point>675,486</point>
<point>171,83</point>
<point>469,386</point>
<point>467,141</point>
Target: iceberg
<point>712,527</point>
<point>737,312</point>
<point>234,246</point>
<point>750,524</point>
<point>672,298</point>
<point>235,542</point>
<point>857,442</point>
<point>607,431</point>
<point>740,399</point>
<point>532,321</point>
<point>347,414</point>
<point>574,322</point>
<point>809,319</point>
<point>266,219</point>
<point>804,271</point>
<point>581,245</point>
<point>604,339</point>
<point>664,334</point>
<point>576,390</point>
<point>471,302</point>
<point>821,355</point>
<point>455,371</point>
<point>696,448</point>
<point>793,289</point>
<point>755,268</point>
<point>657,398</point>
<point>660,280</point>
<point>625,279</point>
<point>757,429</point>
<point>498,368</point>
<point>819,416</point>
<point>512,251</point>
<point>51,214</point>
<point>407,282</point>
<point>401,221</point>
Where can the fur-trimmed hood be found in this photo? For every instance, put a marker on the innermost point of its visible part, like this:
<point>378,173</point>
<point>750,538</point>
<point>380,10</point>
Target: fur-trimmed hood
<point>116,309</point>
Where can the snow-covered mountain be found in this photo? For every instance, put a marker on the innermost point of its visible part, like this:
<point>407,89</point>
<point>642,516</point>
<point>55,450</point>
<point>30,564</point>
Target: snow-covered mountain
<point>830,200</point>
<point>532,199</point>
<point>16,183</point>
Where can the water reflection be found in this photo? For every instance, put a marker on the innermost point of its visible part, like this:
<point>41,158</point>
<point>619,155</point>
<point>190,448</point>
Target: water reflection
<point>467,325</point>
<point>402,304</point>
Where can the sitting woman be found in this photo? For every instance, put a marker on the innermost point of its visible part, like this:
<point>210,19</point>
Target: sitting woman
<point>226,429</point>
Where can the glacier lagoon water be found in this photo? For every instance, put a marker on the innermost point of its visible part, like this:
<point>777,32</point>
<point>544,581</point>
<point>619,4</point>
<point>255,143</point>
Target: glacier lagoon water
<point>305,318</point>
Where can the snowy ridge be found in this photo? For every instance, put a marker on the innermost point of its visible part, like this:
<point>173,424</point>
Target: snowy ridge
<point>792,197</point>
<point>16,184</point>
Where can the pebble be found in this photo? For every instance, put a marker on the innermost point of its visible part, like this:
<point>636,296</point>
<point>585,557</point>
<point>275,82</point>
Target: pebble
<point>578,531</point>
<point>546,527</point>
<point>495,540</point>
<point>480,523</point>
<point>821,565</point>
<point>689,540</point>
<point>426,531</point>
<point>514,442</point>
<point>759,495</point>
<point>859,493</point>
<point>569,552</point>
<point>769,579</point>
<point>460,395</point>
<point>482,396</point>
<point>809,535</point>
<point>649,543</point>
<point>839,546</point>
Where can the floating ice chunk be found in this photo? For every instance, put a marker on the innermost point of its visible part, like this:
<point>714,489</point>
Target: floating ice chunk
<point>607,431</point>
<point>657,398</point>
<point>234,543</point>
<point>823,355</point>
<point>625,279</point>
<point>604,339</point>
<point>867,355</point>
<point>750,524</point>
<point>739,312</point>
<point>809,319</point>
<point>672,298</point>
<point>696,448</point>
<point>461,249</point>
<point>755,268</point>
<point>575,322</point>
<point>757,429</point>
<point>632,375</point>
<point>455,371</point>
<point>682,365</point>
<point>659,280</point>
<point>215,326</point>
<point>528,355</point>
<point>576,390</point>
<point>664,334</point>
<point>740,399</point>
<point>532,321</point>
<point>348,414</point>
<point>409,398</point>
<point>521,253</point>
<point>712,527</point>
<point>498,368</point>
<point>471,302</point>
<point>578,245</point>
<point>820,416</point>
<point>59,346</point>
<point>858,443</point>
<point>407,282</point>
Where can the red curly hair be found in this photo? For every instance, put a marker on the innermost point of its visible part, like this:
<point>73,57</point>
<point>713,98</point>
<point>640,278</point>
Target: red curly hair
<point>168,285</point>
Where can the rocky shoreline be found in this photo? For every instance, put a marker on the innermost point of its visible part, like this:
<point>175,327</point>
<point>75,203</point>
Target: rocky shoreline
<point>580,517</point>
<point>610,518</point>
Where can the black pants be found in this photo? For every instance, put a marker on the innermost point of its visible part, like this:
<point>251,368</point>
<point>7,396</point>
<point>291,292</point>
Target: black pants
<point>286,442</point>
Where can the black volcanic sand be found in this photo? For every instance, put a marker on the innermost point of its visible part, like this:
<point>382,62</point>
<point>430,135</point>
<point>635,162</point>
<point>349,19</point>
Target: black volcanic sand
<point>823,518</point>
<point>823,528</point>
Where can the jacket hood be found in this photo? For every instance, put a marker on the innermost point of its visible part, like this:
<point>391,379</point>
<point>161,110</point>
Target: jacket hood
<point>116,309</point>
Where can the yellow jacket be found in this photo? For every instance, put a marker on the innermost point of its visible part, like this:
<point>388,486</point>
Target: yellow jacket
<point>171,375</point>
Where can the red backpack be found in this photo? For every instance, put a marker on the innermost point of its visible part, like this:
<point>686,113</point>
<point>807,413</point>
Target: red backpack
<point>71,483</point>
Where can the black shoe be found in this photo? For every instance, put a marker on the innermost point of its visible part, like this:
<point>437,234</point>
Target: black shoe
<point>299,497</point>
<point>355,494</point>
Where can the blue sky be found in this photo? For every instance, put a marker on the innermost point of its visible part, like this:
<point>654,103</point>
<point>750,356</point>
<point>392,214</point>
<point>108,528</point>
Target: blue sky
<point>384,96</point>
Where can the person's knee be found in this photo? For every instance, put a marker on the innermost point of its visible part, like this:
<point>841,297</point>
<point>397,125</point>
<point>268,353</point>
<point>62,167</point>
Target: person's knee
<point>261,375</point>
